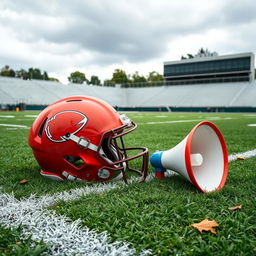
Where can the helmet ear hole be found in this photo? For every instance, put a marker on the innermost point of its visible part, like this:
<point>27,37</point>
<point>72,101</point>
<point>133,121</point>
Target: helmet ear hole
<point>75,161</point>
<point>40,132</point>
<point>108,150</point>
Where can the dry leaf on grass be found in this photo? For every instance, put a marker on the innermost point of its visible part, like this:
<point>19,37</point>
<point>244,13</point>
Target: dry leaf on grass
<point>206,225</point>
<point>23,181</point>
<point>234,208</point>
<point>240,157</point>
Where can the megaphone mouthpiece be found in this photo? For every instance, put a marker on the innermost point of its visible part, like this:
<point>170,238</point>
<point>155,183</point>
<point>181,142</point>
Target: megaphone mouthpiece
<point>196,159</point>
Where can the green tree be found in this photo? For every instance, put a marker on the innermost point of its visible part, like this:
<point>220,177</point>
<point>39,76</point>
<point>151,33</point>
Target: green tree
<point>7,71</point>
<point>32,73</point>
<point>35,73</point>
<point>119,77</point>
<point>190,56</point>
<point>53,79</point>
<point>136,78</point>
<point>95,80</point>
<point>108,82</point>
<point>201,53</point>
<point>23,74</point>
<point>155,77</point>
<point>77,77</point>
<point>45,76</point>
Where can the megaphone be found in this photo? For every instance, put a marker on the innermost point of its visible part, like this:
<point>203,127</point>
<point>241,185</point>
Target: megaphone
<point>201,158</point>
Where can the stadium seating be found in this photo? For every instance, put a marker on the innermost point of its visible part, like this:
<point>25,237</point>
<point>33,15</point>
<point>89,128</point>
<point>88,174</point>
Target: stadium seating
<point>201,95</point>
<point>38,92</point>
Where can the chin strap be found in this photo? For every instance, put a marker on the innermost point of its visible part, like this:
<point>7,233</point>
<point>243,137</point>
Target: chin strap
<point>51,175</point>
<point>71,177</point>
<point>55,176</point>
<point>82,142</point>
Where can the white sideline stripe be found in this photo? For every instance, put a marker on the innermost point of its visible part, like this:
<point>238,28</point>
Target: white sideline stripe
<point>14,125</point>
<point>187,121</point>
<point>63,236</point>
<point>247,154</point>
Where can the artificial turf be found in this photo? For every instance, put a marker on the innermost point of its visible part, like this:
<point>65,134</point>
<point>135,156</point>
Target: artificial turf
<point>155,215</point>
<point>11,244</point>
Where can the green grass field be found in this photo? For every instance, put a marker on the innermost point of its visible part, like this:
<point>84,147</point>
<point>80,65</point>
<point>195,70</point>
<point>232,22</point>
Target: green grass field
<point>156,215</point>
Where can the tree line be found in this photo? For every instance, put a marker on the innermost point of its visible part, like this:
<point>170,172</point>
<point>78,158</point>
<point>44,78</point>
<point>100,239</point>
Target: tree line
<point>31,73</point>
<point>119,76</point>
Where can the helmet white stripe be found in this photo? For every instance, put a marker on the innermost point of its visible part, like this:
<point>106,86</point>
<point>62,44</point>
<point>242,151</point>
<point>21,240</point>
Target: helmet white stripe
<point>83,142</point>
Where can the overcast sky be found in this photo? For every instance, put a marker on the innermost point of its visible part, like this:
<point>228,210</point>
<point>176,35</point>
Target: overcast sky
<point>98,36</point>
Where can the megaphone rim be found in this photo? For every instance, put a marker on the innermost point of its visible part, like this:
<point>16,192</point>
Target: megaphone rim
<point>224,151</point>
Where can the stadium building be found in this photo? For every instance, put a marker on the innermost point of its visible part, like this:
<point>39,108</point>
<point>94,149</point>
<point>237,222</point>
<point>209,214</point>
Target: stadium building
<point>212,69</point>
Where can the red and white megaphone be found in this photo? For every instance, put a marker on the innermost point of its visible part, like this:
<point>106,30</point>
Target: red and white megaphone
<point>202,158</point>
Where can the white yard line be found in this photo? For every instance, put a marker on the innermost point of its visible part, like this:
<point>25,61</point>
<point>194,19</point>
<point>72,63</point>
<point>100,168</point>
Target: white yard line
<point>187,121</point>
<point>30,115</point>
<point>14,125</point>
<point>64,236</point>
<point>6,116</point>
<point>247,154</point>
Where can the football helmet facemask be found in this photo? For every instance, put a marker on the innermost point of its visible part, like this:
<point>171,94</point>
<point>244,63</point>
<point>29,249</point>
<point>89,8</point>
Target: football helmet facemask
<point>81,138</point>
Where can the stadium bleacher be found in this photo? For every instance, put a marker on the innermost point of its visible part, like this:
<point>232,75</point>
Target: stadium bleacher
<point>15,91</point>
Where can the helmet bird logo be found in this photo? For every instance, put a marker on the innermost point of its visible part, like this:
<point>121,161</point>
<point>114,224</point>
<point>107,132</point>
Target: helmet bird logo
<point>63,123</point>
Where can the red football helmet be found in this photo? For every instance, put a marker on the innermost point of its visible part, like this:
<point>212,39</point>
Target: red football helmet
<point>81,138</point>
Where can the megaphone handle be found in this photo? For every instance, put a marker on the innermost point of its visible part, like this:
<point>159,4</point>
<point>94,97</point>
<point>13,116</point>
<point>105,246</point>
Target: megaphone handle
<point>155,161</point>
<point>159,173</point>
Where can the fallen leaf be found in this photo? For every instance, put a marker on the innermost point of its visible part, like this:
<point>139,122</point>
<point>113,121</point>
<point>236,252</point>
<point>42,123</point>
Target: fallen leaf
<point>206,225</point>
<point>240,157</point>
<point>23,181</point>
<point>234,208</point>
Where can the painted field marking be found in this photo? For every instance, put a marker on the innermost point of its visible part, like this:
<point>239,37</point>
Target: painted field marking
<point>7,116</point>
<point>15,125</point>
<point>160,116</point>
<point>247,154</point>
<point>250,115</point>
<point>64,236</point>
<point>30,115</point>
<point>24,119</point>
<point>187,121</point>
<point>252,125</point>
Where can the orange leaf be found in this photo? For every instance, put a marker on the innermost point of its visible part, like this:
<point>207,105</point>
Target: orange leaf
<point>240,157</point>
<point>235,208</point>
<point>206,225</point>
<point>23,181</point>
